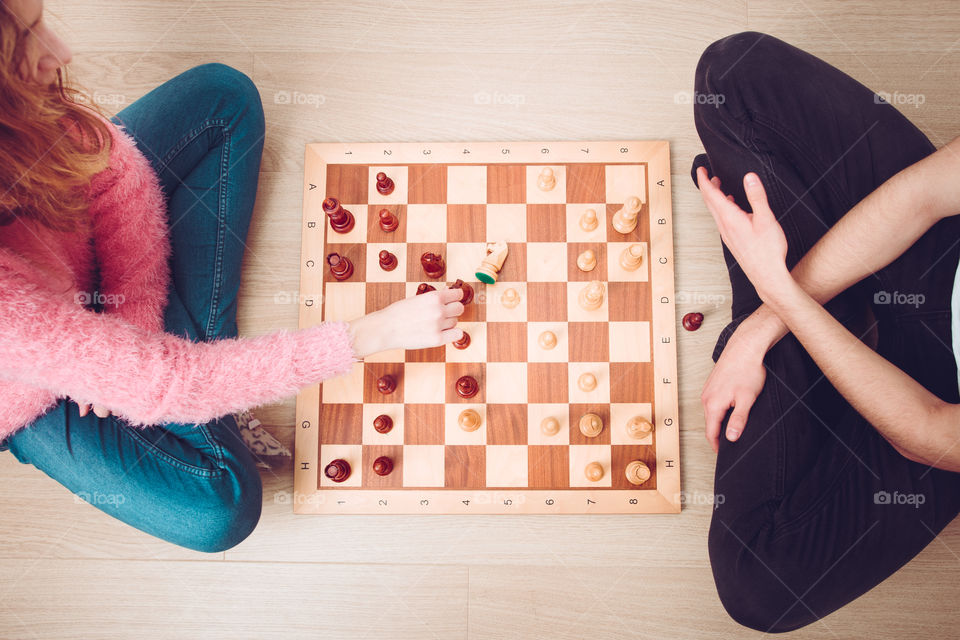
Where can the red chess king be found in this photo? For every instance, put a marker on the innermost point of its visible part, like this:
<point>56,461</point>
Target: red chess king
<point>384,184</point>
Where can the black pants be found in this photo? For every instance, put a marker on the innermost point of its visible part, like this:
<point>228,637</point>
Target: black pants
<point>815,507</point>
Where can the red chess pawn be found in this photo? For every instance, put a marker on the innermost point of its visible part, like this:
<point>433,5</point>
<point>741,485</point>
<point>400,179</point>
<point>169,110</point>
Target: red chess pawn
<point>467,387</point>
<point>388,261</point>
<point>388,221</point>
<point>463,342</point>
<point>423,287</point>
<point>692,321</point>
<point>386,384</point>
<point>384,184</point>
<point>340,266</point>
<point>383,423</point>
<point>341,220</point>
<point>433,265</point>
<point>382,466</point>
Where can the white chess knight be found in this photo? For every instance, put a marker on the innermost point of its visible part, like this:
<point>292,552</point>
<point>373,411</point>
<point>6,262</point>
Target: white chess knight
<point>625,220</point>
<point>492,262</point>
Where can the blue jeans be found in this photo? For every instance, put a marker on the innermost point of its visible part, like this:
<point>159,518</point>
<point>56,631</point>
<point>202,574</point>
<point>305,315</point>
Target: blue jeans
<point>193,485</point>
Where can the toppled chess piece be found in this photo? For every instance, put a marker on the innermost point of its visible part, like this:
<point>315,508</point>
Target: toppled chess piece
<point>388,261</point>
<point>591,425</point>
<point>338,470</point>
<point>467,387</point>
<point>587,261</point>
<point>625,220</point>
<point>547,340</point>
<point>593,472</point>
<point>589,220</point>
<point>467,291</point>
<point>632,257</point>
<point>340,266</point>
<point>492,262</point>
<point>383,423</point>
<point>591,296</point>
<point>388,220</point>
<point>510,298</point>
<point>423,287</point>
<point>386,384</point>
<point>463,342</point>
<point>546,180</point>
<point>639,427</point>
<point>550,426</point>
<point>382,466</point>
<point>587,382</point>
<point>692,321</point>
<point>469,420</point>
<point>637,472</point>
<point>384,184</point>
<point>341,220</point>
<point>433,265</point>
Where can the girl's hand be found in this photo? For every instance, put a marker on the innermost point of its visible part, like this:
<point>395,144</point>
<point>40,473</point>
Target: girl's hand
<point>99,411</point>
<point>418,322</point>
<point>755,239</point>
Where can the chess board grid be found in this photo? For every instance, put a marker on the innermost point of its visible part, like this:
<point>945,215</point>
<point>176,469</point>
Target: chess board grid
<point>505,156</point>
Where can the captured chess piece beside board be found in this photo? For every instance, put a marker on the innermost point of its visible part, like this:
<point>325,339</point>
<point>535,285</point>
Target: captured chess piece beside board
<point>561,396</point>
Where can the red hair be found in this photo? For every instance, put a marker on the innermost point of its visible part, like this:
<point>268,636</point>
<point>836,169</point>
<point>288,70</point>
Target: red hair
<point>51,144</point>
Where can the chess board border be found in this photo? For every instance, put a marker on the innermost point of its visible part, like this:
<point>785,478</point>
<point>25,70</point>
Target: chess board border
<point>308,498</point>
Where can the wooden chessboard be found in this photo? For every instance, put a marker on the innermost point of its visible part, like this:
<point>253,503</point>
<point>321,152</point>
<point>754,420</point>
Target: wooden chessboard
<point>452,198</point>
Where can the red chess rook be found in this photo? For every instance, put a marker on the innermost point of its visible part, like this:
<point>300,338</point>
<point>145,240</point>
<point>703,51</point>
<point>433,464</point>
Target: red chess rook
<point>341,220</point>
<point>340,266</point>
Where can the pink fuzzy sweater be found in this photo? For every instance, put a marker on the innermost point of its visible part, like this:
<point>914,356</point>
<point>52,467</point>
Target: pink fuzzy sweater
<point>52,346</point>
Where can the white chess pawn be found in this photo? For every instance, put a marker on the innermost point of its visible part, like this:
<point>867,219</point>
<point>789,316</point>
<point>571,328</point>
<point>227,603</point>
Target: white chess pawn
<point>510,298</point>
<point>587,261</point>
<point>547,180</point>
<point>632,257</point>
<point>625,220</point>
<point>588,221</point>
<point>591,296</point>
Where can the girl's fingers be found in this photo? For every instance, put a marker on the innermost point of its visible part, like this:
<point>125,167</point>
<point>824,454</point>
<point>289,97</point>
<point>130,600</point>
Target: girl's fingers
<point>451,335</point>
<point>84,410</point>
<point>101,412</point>
<point>450,295</point>
<point>448,323</point>
<point>453,309</point>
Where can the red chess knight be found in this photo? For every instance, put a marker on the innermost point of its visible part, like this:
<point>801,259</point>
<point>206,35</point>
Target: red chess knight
<point>433,265</point>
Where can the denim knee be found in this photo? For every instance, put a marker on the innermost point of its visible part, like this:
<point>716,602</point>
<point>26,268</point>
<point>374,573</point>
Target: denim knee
<point>232,91</point>
<point>231,514</point>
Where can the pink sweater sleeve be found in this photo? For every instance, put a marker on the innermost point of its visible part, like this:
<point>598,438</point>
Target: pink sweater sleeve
<point>148,378</point>
<point>130,234</point>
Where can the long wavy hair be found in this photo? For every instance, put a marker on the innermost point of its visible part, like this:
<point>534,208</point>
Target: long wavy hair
<point>53,140</point>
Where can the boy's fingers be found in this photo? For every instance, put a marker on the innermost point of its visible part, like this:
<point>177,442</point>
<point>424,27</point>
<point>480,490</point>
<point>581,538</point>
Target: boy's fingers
<point>755,193</point>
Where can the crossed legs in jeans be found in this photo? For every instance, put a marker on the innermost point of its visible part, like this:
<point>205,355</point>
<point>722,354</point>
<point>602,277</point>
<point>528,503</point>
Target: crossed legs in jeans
<point>193,485</point>
<point>817,508</point>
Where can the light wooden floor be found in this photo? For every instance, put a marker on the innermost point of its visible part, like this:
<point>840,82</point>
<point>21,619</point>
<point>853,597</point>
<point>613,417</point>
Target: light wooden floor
<point>410,71</point>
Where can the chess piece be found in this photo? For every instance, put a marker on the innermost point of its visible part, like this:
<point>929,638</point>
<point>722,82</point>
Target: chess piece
<point>593,472</point>
<point>423,287</point>
<point>547,340</point>
<point>433,265</point>
<point>338,470</point>
<point>632,257</point>
<point>591,425</point>
<point>589,220</point>
<point>550,426</point>
<point>388,261</point>
<point>546,180</point>
<point>639,427</point>
<point>382,466</point>
<point>510,298</point>
<point>384,184</point>
<point>492,262</point>
<point>625,220</point>
<point>341,220</point>
<point>340,266</point>
<point>587,382</point>
<point>463,342</point>
<point>467,387</point>
<point>637,472</point>
<point>469,420</point>
<point>388,221</point>
<point>692,321</point>
<point>386,384</point>
<point>591,296</point>
<point>383,423</point>
<point>587,261</point>
<point>467,291</point>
